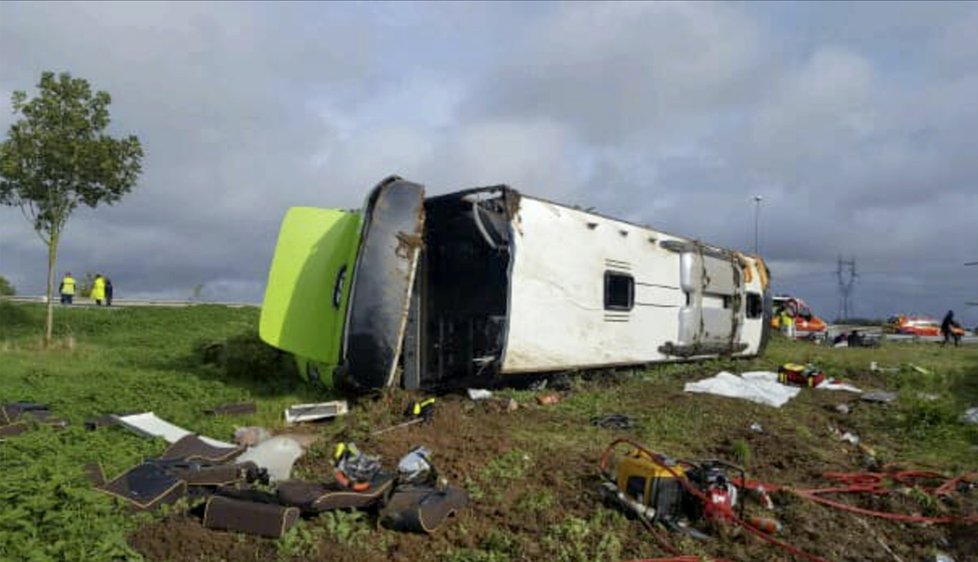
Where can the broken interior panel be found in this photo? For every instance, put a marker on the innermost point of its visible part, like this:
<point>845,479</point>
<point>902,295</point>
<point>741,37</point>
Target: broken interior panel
<point>463,284</point>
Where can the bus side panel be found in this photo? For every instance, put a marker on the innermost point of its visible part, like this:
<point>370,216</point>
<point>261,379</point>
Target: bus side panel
<point>558,319</point>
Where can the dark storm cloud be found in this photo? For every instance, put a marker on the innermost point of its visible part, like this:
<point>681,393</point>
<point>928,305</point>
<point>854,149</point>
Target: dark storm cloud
<point>689,110</point>
<point>855,122</point>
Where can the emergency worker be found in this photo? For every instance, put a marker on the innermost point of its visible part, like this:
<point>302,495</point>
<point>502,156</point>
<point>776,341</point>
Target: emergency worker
<point>98,289</point>
<point>67,288</point>
<point>947,329</point>
<point>787,324</point>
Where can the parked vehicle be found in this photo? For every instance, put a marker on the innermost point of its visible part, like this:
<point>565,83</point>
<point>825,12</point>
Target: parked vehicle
<point>807,324</point>
<point>921,326</point>
<point>475,287</point>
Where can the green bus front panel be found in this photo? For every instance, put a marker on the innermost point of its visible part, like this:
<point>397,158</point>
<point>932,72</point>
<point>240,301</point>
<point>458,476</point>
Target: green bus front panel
<point>304,310</point>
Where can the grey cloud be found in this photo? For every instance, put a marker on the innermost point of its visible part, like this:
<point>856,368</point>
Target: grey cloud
<point>855,121</point>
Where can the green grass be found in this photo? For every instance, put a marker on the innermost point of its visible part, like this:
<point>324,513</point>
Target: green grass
<point>179,362</point>
<point>112,361</point>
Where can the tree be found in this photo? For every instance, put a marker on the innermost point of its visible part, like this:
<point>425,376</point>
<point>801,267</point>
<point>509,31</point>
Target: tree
<point>6,288</point>
<point>57,156</point>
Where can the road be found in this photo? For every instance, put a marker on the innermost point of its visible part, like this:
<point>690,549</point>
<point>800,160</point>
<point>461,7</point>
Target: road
<point>834,329</point>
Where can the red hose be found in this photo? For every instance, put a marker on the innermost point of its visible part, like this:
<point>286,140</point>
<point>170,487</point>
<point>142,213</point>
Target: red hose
<point>679,559</point>
<point>876,483</point>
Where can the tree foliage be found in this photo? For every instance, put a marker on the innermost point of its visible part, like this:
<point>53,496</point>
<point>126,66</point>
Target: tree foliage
<point>6,287</point>
<point>58,156</point>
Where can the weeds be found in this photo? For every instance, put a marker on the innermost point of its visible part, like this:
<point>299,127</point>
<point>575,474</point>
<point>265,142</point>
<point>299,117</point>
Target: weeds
<point>301,541</point>
<point>509,466</point>
<point>476,493</point>
<point>592,540</point>
<point>346,527</point>
<point>741,452</point>
<point>536,501</point>
<point>474,555</point>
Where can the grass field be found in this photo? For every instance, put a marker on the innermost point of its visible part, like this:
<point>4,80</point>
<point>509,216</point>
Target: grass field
<point>530,472</point>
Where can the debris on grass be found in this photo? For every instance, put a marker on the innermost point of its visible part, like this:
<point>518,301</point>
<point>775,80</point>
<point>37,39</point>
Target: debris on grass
<point>880,396</point>
<point>849,438</point>
<point>478,394</point>
<point>919,369</point>
<point>613,421</point>
<point>249,436</point>
<point>319,411</point>
<point>149,424</point>
<point>836,384</point>
<point>277,455</point>
<point>970,416</point>
<point>233,409</point>
<point>548,399</point>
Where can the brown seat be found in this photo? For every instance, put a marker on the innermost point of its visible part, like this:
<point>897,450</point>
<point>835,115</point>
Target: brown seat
<point>314,497</point>
<point>421,509</point>
<point>267,520</point>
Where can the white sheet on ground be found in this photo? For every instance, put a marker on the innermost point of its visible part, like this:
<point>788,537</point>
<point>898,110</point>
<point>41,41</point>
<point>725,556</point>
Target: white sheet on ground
<point>151,425</point>
<point>761,387</point>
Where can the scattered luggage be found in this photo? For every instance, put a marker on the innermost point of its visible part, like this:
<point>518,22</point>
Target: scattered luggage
<point>800,375</point>
<point>234,409</point>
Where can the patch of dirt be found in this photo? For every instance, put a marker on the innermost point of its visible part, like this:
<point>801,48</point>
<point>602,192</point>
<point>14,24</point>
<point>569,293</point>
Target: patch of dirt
<point>795,448</point>
<point>185,539</point>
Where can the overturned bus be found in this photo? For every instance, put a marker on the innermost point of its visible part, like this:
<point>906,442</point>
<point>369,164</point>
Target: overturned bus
<point>476,287</point>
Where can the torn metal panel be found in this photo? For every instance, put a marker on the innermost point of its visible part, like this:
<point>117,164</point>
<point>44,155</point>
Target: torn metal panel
<point>150,425</point>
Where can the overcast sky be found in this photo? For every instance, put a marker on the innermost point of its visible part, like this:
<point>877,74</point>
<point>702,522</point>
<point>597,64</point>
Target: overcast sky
<point>857,123</point>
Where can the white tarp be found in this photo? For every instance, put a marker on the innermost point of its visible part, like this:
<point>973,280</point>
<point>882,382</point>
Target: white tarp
<point>151,425</point>
<point>761,387</point>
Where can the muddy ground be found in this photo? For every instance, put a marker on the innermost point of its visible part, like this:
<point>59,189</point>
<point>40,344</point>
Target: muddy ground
<point>533,479</point>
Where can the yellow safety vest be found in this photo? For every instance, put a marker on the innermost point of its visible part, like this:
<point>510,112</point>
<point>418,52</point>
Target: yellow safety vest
<point>68,286</point>
<point>98,289</point>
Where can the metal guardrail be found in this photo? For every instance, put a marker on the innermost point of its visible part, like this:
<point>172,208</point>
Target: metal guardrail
<point>164,303</point>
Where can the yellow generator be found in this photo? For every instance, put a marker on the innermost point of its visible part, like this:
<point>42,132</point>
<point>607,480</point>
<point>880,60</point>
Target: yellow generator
<point>647,486</point>
<point>660,489</point>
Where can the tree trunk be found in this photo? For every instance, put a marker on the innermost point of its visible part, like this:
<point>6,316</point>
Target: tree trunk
<point>52,256</point>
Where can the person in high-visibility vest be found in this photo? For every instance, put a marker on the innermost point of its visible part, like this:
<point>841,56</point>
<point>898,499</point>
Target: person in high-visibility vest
<point>787,324</point>
<point>98,289</point>
<point>67,288</point>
